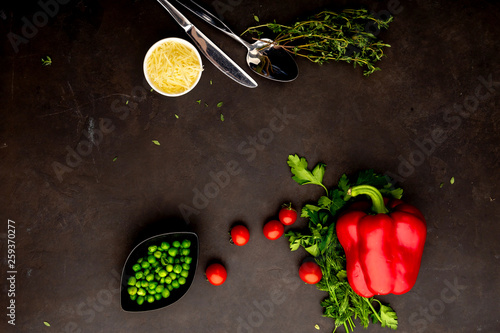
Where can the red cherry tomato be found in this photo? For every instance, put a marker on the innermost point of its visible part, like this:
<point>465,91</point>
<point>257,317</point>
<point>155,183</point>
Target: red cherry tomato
<point>310,272</point>
<point>287,215</point>
<point>240,235</point>
<point>273,229</point>
<point>216,274</point>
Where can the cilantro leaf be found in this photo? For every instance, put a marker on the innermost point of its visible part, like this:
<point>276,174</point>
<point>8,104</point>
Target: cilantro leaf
<point>302,175</point>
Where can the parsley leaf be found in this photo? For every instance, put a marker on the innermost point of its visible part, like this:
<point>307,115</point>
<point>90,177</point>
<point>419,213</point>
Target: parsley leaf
<point>388,316</point>
<point>302,175</point>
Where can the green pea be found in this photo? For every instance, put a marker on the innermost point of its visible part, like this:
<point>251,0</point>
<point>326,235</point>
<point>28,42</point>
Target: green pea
<point>150,299</point>
<point>144,283</point>
<point>150,277</point>
<point>145,264</point>
<point>132,290</point>
<point>141,292</point>
<point>138,284</point>
<point>133,297</point>
<point>185,274</point>
<point>151,259</point>
<point>186,243</point>
<point>175,284</point>
<point>139,260</point>
<point>186,267</point>
<point>157,254</point>
<point>152,248</point>
<point>140,300</point>
<point>176,244</point>
<point>164,261</point>
<point>159,288</point>
<point>170,260</point>
<point>146,272</point>
<point>164,245</point>
<point>182,280</point>
<point>172,275</point>
<point>169,268</point>
<point>168,280</point>
<point>169,287</point>
<point>157,297</point>
<point>162,273</point>
<point>136,267</point>
<point>177,269</point>
<point>185,252</point>
<point>182,259</point>
<point>151,291</point>
<point>165,293</point>
<point>177,260</point>
<point>131,281</point>
<point>162,280</point>
<point>139,275</point>
<point>188,260</point>
<point>152,285</point>
<point>172,251</point>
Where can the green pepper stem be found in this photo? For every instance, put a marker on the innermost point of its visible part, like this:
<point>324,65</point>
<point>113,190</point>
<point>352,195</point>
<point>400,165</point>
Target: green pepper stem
<point>374,194</point>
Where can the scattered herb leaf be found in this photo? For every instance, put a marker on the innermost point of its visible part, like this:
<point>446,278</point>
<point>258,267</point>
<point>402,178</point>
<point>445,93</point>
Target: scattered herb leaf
<point>206,105</point>
<point>316,326</point>
<point>452,180</point>
<point>115,158</point>
<point>198,101</point>
<point>176,116</point>
<point>126,103</point>
<point>221,117</point>
<point>219,104</point>
<point>46,323</point>
<point>156,142</point>
<point>47,61</point>
<point>210,82</point>
<point>151,90</point>
<point>256,18</point>
<point>441,185</point>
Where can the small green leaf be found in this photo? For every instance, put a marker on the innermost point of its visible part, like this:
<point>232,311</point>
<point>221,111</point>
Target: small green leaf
<point>198,101</point>
<point>126,103</point>
<point>256,18</point>
<point>46,323</point>
<point>441,185</point>
<point>221,117</point>
<point>219,104</point>
<point>176,116</point>
<point>206,105</point>
<point>316,326</point>
<point>115,158</point>
<point>452,180</point>
<point>156,142</point>
<point>210,82</point>
<point>151,90</point>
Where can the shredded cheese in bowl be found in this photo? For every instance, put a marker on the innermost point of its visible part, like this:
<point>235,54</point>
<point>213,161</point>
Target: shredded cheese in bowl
<point>172,66</point>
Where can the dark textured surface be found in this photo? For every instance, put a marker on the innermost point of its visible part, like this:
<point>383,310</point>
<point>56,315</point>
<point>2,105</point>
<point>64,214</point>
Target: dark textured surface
<point>73,234</point>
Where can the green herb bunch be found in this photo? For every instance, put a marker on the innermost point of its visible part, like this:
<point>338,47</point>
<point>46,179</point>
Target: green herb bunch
<point>346,36</point>
<point>342,304</point>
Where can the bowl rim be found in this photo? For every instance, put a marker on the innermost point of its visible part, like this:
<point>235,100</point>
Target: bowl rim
<point>153,47</point>
<point>123,285</point>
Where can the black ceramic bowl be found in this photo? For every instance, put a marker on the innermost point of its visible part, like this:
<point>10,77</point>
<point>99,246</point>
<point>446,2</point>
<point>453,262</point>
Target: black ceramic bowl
<point>141,251</point>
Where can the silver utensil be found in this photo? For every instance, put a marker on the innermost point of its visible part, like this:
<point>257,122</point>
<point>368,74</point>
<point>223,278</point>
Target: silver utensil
<point>264,57</point>
<point>209,49</point>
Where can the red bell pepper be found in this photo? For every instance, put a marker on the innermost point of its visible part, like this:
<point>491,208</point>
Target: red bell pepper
<point>383,250</point>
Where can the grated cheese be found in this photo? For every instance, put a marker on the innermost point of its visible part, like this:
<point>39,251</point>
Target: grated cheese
<point>173,67</point>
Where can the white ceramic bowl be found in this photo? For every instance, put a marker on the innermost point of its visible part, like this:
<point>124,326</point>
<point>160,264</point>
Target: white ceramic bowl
<point>157,44</point>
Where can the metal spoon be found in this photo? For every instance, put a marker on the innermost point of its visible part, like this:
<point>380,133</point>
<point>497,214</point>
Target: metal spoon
<point>263,57</point>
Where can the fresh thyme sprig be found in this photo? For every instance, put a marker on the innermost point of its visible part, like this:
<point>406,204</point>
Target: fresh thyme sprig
<point>346,36</point>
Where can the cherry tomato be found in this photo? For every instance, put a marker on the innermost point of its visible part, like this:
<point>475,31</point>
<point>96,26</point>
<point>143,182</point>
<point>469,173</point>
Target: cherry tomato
<point>240,235</point>
<point>216,274</point>
<point>287,214</point>
<point>310,272</point>
<point>273,229</point>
